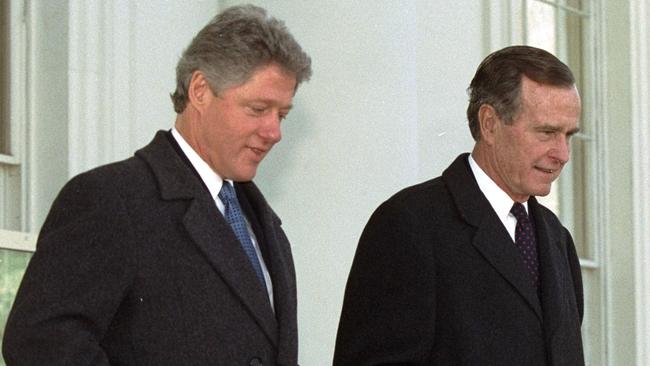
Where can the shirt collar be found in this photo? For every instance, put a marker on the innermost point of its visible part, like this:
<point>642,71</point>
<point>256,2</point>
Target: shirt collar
<point>211,179</point>
<point>499,200</point>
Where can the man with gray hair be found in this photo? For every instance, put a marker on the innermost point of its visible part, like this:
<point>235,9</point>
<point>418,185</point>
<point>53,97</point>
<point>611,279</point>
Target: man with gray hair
<point>174,257</point>
<point>468,268</point>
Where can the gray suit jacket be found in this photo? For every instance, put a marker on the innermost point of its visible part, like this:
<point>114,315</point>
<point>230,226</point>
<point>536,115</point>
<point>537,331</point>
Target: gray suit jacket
<point>437,280</point>
<point>136,266</point>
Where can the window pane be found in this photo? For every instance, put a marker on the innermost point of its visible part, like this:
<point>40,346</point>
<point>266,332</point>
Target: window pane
<point>12,267</point>
<point>575,4</point>
<point>4,78</point>
<point>562,33</point>
<point>574,46</point>
<point>577,210</point>
<point>540,30</point>
<point>575,216</point>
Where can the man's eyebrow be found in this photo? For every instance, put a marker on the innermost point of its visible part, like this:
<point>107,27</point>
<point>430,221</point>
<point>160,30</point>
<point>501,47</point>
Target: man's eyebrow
<point>269,101</point>
<point>573,131</point>
<point>550,127</point>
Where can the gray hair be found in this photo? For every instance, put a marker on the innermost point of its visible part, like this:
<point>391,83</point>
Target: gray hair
<point>232,46</point>
<point>497,81</point>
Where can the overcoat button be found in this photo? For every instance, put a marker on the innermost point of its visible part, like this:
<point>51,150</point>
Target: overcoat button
<point>255,362</point>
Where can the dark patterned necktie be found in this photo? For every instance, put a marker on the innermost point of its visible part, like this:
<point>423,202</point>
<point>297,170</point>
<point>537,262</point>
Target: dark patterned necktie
<point>525,241</point>
<point>235,219</point>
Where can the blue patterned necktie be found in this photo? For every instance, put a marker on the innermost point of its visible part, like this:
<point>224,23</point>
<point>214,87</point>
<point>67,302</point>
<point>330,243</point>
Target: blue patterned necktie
<point>235,219</point>
<point>526,242</point>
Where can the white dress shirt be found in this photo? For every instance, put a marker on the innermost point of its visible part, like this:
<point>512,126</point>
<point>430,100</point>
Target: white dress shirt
<point>499,200</point>
<point>213,181</point>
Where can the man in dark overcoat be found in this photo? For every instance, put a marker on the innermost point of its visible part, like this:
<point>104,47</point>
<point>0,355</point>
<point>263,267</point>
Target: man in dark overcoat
<point>468,268</point>
<point>173,257</point>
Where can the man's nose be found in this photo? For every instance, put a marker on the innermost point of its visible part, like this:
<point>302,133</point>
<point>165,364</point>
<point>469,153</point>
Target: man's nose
<point>271,128</point>
<point>562,150</point>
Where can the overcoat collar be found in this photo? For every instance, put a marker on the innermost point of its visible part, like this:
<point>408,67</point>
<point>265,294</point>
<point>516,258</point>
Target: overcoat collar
<point>209,230</point>
<point>491,238</point>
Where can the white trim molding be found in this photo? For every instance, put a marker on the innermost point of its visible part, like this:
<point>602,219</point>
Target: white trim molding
<point>601,178</point>
<point>100,80</point>
<point>12,165</point>
<point>505,23</point>
<point>640,78</point>
<point>17,240</point>
<point>17,45</point>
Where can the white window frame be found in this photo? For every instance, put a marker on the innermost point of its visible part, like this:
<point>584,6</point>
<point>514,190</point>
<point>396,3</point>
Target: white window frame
<point>17,78</point>
<point>13,194</point>
<point>506,26</point>
<point>17,240</point>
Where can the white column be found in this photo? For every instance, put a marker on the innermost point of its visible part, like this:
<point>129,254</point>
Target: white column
<point>122,58</point>
<point>100,81</point>
<point>640,76</point>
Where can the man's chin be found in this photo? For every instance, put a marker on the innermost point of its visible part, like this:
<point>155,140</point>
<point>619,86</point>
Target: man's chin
<point>543,192</point>
<point>245,176</point>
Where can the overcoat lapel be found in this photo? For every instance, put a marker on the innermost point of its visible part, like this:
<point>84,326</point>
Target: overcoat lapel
<point>224,252</point>
<point>274,256</point>
<point>277,257</point>
<point>491,238</point>
<point>553,269</point>
<point>561,314</point>
<point>209,230</point>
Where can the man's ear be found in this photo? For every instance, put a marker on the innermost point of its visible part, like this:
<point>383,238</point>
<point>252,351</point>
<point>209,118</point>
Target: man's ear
<point>199,91</point>
<point>488,121</point>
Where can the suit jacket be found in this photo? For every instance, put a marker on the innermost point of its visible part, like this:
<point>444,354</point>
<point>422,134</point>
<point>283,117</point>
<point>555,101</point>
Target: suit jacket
<point>135,265</point>
<point>437,280</point>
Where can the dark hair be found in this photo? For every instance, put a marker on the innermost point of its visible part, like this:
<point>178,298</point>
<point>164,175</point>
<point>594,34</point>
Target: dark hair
<point>497,81</point>
<point>233,45</point>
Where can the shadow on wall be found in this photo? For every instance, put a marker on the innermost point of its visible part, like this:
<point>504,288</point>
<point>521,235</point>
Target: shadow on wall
<point>287,155</point>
